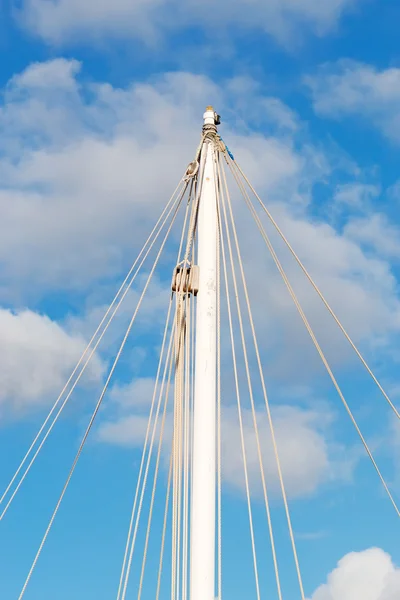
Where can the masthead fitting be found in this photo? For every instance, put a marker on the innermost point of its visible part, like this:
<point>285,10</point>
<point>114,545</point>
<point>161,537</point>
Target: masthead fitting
<point>211,118</point>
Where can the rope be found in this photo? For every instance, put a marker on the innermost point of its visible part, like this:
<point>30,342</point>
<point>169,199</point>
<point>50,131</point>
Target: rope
<point>193,219</point>
<point>176,505</point>
<point>180,472</point>
<point>180,453</point>
<point>96,410</point>
<point>148,462</point>
<point>250,387</point>
<point>186,450</point>
<point>185,222</point>
<point>243,446</point>
<point>182,436</point>
<point>178,327</point>
<point>133,512</point>
<point>92,339</point>
<point>28,468</point>
<point>219,472</point>
<point>167,496</point>
<point>149,422</point>
<point>133,541</point>
<point>192,388</point>
<point>153,494</point>
<point>178,576</point>
<point>316,288</point>
<point>322,355</point>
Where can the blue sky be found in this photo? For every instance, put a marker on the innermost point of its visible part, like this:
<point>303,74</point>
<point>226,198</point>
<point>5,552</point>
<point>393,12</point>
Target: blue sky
<point>100,112</point>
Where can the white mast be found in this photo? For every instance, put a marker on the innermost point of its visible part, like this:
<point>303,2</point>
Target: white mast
<point>202,554</point>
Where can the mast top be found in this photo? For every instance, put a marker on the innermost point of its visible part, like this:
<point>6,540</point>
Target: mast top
<point>211,117</point>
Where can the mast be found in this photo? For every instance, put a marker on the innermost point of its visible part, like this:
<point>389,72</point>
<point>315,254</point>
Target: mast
<point>202,535</point>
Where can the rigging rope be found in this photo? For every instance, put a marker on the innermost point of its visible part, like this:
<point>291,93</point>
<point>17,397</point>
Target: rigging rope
<point>238,399</point>
<point>96,410</point>
<point>186,450</point>
<point>189,205</point>
<point>254,415</point>
<point>133,512</point>
<point>164,530</point>
<point>180,507</point>
<point>176,445</point>
<point>55,419</point>
<point>178,322</point>
<point>153,494</point>
<point>320,352</point>
<point>180,358</point>
<point>179,538</point>
<point>169,361</point>
<point>149,422</point>
<point>219,399</point>
<point>316,288</point>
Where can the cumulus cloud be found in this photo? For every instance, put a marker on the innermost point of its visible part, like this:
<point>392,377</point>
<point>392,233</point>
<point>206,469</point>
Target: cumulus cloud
<point>349,88</point>
<point>58,73</point>
<point>86,169</point>
<point>344,267</point>
<point>370,575</point>
<point>93,156</point>
<point>38,356</point>
<point>60,20</point>
<point>309,457</point>
<point>77,166</point>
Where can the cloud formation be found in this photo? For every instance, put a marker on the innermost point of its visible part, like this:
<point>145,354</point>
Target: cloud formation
<point>78,164</point>
<point>62,20</point>
<point>38,356</point>
<point>353,89</point>
<point>309,456</point>
<point>368,575</point>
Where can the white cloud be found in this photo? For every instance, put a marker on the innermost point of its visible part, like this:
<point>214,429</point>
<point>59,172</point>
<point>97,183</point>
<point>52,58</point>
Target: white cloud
<point>394,191</point>
<point>85,169</point>
<point>349,88</point>
<point>77,166</point>
<point>132,402</point>
<point>368,575</point>
<point>130,431</point>
<point>309,457</point>
<point>61,20</point>
<point>150,317</point>
<point>58,73</point>
<point>377,233</point>
<point>357,282</point>
<point>356,196</point>
<point>138,393</point>
<point>38,356</point>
